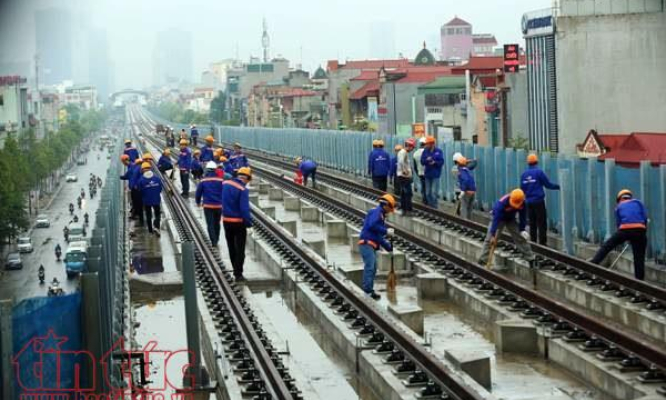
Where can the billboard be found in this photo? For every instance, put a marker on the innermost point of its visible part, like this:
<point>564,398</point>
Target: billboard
<point>538,23</point>
<point>511,58</point>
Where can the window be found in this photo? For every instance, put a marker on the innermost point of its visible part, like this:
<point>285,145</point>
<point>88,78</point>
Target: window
<point>450,31</point>
<point>459,31</point>
<point>2,100</point>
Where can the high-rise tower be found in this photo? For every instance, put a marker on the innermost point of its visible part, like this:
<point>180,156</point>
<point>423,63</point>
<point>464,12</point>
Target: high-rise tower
<point>265,42</point>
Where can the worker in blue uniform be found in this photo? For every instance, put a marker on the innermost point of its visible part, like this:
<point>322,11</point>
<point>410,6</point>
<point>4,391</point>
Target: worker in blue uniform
<point>372,237</point>
<point>393,173</point>
<point>237,159</point>
<point>309,170</point>
<point>504,215</point>
<point>132,176</point>
<point>433,161</point>
<point>164,163</point>
<point>236,217</point>
<point>207,151</point>
<point>532,183</point>
<point>184,165</point>
<point>209,196</point>
<point>131,151</point>
<point>197,165</point>
<point>194,135</point>
<point>467,185</point>
<point>150,187</point>
<point>379,165</point>
<point>631,221</point>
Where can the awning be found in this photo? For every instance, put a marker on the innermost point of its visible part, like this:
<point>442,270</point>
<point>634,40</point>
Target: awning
<point>444,85</point>
<point>370,88</point>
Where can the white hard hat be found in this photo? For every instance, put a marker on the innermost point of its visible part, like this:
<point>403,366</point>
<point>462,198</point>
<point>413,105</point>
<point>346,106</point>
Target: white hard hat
<point>457,156</point>
<point>211,165</point>
<point>422,140</point>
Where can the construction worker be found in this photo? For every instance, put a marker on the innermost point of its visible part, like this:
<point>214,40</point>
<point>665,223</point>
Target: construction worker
<point>419,171</point>
<point>532,183</point>
<point>133,175</point>
<point>470,165</point>
<point>504,216</point>
<point>183,135</point>
<point>394,170</point>
<point>164,164</point>
<point>309,169</point>
<point>404,174</point>
<point>130,151</point>
<point>237,159</point>
<point>125,160</point>
<point>184,165</point>
<point>631,221</point>
<point>150,187</point>
<point>194,135</point>
<point>197,167</point>
<point>207,152</point>
<point>372,237</point>
<point>236,217</point>
<point>433,160</point>
<point>209,190</point>
<point>379,165</point>
<point>224,169</point>
<point>467,186</point>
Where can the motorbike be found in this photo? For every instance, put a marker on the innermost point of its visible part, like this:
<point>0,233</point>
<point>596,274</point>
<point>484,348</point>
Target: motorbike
<point>79,202</point>
<point>65,232</point>
<point>58,253</point>
<point>76,218</point>
<point>55,289</point>
<point>41,275</point>
<point>85,218</point>
<point>71,209</point>
<point>99,181</point>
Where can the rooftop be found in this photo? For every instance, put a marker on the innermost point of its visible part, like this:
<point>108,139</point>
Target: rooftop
<point>367,64</point>
<point>457,22</point>
<point>444,85</point>
<point>636,147</point>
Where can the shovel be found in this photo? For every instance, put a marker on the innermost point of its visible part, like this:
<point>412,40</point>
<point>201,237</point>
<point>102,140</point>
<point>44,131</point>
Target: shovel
<point>612,266</point>
<point>491,254</point>
<point>391,279</point>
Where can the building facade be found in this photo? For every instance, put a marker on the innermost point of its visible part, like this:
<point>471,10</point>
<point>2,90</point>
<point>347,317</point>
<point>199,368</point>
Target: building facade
<point>457,41</point>
<point>14,112</point>
<point>172,57</point>
<point>54,45</point>
<point>542,114</point>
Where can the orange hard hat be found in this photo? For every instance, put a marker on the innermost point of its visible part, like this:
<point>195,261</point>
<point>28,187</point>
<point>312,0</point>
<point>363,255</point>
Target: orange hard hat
<point>210,139</point>
<point>223,159</point>
<point>532,159</point>
<point>517,198</point>
<point>430,140</point>
<point>218,152</point>
<point>124,158</point>
<point>388,201</point>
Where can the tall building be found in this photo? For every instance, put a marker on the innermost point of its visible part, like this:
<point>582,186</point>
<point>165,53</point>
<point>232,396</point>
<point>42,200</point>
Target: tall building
<point>539,32</point>
<point>54,44</point>
<point>99,64</point>
<point>382,40</point>
<point>172,57</point>
<point>457,42</point>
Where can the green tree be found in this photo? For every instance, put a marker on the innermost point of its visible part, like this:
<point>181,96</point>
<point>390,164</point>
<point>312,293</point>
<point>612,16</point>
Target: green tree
<point>218,108</point>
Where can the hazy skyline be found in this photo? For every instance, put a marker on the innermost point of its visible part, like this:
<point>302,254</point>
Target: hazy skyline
<point>224,30</point>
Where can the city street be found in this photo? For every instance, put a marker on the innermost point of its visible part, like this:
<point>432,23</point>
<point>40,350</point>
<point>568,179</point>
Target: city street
<point>22,284</point>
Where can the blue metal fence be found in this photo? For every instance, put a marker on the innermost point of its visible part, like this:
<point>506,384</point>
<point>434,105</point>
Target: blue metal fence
<point>593,184</point>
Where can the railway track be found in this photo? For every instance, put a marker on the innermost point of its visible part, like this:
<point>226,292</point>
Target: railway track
<point>610,342</point>
<point>260,370</point>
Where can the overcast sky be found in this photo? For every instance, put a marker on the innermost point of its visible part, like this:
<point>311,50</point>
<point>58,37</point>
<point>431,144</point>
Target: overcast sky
<point>319,30</point>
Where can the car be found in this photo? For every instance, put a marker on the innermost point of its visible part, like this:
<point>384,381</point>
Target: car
<point>13,261</point>
<point>81,161</point>
<point>42,221</point>
<point>71,178</point>
<point>25,245</point>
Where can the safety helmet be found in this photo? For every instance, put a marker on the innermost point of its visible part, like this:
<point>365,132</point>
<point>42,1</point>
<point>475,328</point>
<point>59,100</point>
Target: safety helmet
<point>128,141</point>
<point>237,145</point>
<point>387,201</point>
<point>194,126</point>
<point>210,139</point>
<point>430,140</point>
<point>298,160</point>
<point>410,142</point>
<point>124,158</point>
<point>624,194</point>
<point>375,143</point>
<point>145,165</point>
<point>517,198</point>
<point>223,159</point>
<point>184,142</point>
<point>147,156</point>
<point>245,171</point>
<point>138,161</point>
<point>380,143</point>
<point>397,147</point>
<point>167,152</point>
<point>462,161</point>
<point>457,156</point>
<point>422,141</point>
<point>532,159</point>
<point>211,165</point>
<point>217,152</point>
<point>197,152</point>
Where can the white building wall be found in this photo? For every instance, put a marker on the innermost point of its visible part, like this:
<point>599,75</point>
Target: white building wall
<point>611,72</point>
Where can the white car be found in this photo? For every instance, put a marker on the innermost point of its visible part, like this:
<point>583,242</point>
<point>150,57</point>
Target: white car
<point>71,178</point>
<point>42,221</point>
<point>25,245</point>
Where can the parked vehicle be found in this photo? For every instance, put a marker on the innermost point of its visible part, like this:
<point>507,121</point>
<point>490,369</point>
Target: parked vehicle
<point>13,261</point>
<point>71,178</point>
<point>42,221</point>
<point>76,232</point>
<point>25,245</point>
<point>76,258</point>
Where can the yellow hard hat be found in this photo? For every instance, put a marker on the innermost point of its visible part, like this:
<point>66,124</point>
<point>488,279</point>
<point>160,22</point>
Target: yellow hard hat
<point>197,152</point>
<point>517,198</point>
<point>218,152</point>
<point>387,201</point>
<point>397,147</point>
<point>128,141</point>
<point>380,143</point>
<point>145,165</point>
<point>147,156</point>
<point>245,171</point>
<point>167,152</point>
<point>624,193</point>
<point>210,139</point>
<point>184,142</point>
<point>375,143</point>
<point>298,160</point>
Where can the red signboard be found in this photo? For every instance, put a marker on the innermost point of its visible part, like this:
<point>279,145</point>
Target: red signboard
<point>511,58</point>
<point>11,80</point>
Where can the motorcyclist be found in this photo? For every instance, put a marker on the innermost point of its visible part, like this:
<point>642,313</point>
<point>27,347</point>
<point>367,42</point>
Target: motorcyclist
<point>78,201</point>
<point>83,193</point>
<point>85,218</point>
<point>71,209</point>
<point>76,218</point>
<point>41,274</point>
<point>65,232</point>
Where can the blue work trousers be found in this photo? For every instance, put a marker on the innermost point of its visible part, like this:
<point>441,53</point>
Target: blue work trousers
<point>432,192</point>
<point>369,255</point>
<point>213,223</point>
